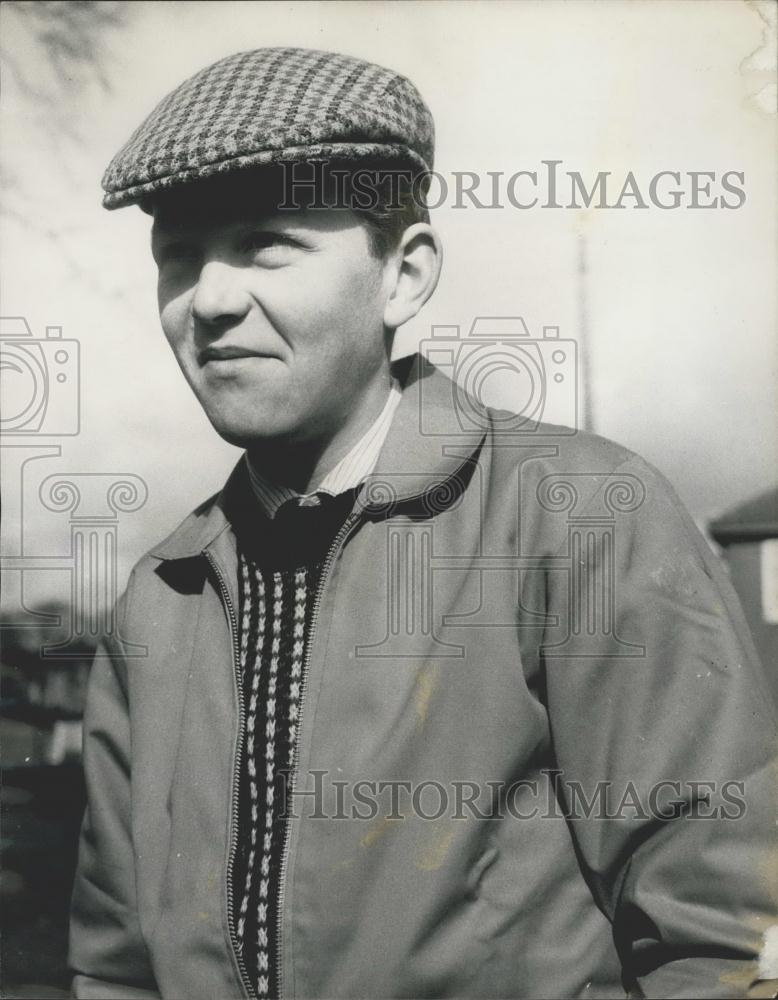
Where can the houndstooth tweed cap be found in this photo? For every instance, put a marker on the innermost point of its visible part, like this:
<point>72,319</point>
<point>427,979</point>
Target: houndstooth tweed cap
<point>269,105</point>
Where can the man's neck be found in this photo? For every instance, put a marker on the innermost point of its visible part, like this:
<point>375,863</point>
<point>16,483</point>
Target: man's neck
<point>302,465</point>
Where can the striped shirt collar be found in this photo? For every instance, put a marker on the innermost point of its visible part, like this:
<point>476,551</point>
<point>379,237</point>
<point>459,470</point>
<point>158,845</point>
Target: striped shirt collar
<point>350,471</point>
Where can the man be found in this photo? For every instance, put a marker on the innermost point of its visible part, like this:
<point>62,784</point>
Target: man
<point>436,700</point>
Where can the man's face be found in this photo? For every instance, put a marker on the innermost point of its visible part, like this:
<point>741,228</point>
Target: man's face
<point>276,318</point>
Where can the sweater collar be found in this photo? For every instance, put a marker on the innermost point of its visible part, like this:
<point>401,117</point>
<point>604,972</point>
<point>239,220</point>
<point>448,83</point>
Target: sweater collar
<point>435,431</point>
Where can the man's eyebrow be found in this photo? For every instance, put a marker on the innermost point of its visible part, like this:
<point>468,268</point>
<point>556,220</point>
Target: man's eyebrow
<point>167,221</point>
<point>187,225</point>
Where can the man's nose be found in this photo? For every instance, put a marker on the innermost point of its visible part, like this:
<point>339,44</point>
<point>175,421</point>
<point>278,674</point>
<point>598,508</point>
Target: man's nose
<point>220,295</point>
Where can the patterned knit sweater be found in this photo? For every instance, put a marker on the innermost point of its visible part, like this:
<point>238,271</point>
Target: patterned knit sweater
<point>281,563</point>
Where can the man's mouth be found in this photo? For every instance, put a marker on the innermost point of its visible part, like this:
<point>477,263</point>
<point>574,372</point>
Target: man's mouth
<point>227,352</point>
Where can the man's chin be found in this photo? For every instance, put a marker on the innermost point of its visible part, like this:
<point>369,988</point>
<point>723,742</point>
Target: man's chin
<point>243,435</point>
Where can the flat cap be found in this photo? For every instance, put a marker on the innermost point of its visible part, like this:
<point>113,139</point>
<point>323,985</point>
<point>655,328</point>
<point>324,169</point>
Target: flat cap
<point>266,106</point>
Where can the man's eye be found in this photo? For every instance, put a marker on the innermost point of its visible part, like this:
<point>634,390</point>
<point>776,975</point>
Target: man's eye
<point>269,247</point>
<point>178,253</point>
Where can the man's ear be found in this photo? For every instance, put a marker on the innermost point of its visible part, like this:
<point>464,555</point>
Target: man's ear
<point>416,268</point>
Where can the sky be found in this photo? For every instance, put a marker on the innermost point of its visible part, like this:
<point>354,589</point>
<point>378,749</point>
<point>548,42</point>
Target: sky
<point>673,311</point>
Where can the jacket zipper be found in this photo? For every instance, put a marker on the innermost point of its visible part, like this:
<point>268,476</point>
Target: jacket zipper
<point>226,600</point>
<point>329,558</point>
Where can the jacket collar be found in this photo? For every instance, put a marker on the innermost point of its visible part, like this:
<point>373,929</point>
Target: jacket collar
<point>431,438</point>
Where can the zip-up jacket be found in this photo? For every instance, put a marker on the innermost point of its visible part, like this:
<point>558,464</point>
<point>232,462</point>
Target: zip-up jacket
<point>536,752</point>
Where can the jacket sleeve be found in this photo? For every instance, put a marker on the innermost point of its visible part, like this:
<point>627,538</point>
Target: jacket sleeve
<point>677,743</point>
<point>107,952</point>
